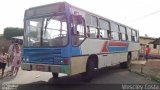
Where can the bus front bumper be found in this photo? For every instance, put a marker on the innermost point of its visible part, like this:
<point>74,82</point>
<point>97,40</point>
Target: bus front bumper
<point>46,68</point>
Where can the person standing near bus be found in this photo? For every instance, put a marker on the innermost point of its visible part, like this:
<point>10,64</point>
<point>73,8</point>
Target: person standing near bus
<point>16,60</point>
<point>3,61</point>
<point>10,51</point>
<point>147,51</point>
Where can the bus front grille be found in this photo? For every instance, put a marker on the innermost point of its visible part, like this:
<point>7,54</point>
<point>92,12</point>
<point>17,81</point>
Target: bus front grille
<point>40,56</point>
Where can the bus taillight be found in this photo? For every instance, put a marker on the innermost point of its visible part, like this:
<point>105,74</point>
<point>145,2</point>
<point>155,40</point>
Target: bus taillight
<point>66,61</point>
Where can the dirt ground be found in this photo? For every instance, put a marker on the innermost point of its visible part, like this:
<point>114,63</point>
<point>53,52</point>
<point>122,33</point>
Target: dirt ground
<point>153,63</point>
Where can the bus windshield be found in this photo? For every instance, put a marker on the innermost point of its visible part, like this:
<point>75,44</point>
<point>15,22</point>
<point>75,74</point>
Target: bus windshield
<point>46,31</point>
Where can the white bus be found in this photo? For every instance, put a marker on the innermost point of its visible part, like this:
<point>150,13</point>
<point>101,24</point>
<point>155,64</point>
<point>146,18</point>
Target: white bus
<point>61,38</point>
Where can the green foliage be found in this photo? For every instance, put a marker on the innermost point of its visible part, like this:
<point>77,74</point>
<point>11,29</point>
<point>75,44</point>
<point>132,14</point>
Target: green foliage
<point>10,32</point>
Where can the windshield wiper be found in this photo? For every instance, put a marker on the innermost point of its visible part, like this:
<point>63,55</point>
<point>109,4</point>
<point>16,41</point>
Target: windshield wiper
<point>47,22</point>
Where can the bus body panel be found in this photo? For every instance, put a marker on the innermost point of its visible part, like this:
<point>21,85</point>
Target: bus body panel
<point>78,64</point>
<point>97,46</point>
<point>109,53</point>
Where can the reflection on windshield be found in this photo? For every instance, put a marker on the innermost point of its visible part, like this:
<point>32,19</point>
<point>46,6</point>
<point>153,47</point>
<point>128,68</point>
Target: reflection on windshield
<point>33,31</point>
<point>52,33</point>
<point>55,31</point>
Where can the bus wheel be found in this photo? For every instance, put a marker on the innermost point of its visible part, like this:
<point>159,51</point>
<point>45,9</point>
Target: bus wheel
<point>55,75</point>
<point>88,75</point>
<point>126,64</point>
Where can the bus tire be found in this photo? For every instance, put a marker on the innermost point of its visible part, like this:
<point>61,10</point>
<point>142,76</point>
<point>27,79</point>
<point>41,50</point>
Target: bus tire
<point>88,75</point>
<point>127,63</point>
<point>55,75</point>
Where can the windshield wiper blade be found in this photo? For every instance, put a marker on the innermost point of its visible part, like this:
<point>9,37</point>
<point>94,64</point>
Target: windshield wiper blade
<point>47,22</point>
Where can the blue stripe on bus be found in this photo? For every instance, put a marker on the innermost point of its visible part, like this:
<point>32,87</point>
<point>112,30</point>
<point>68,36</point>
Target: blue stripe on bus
<point>115,49</point>
<point>112,49</point>
<point>76,51</point>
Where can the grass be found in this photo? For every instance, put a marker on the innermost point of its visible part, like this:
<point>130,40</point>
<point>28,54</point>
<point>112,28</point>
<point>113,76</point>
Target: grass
<point>156,79</point>
<point>148,77</point>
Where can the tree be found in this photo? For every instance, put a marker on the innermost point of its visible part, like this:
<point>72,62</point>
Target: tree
<point>10,32</point>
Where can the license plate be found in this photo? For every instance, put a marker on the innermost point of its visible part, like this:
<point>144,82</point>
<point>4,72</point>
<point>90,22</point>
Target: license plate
<point>40,67</point>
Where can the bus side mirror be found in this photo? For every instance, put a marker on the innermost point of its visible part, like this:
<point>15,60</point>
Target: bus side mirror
<point>79,19</point>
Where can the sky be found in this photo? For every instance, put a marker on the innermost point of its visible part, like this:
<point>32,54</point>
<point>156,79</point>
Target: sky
<point>143,15</point>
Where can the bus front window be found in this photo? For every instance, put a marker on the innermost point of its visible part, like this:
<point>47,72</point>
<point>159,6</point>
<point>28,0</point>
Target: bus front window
<point>55,31</point>
<point>46,32</point>
<point>33,32</point>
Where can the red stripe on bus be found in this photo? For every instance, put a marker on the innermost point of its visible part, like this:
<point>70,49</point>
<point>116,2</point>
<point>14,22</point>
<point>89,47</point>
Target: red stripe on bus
<point>104,48</point>
<point>114,43</point>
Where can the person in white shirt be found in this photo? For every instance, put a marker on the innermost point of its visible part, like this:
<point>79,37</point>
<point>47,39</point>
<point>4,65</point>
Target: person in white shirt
<point>10,51</point>
<point>16,60</point>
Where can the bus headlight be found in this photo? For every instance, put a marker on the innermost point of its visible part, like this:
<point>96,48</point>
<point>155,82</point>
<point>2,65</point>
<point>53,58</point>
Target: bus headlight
<point>24,59</point>
<point>58,60</point>
<point>27,59</point>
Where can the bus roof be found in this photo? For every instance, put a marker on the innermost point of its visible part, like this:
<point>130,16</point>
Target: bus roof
<point>45,5</point>
<point>72,6</point>
<point>99,16</point>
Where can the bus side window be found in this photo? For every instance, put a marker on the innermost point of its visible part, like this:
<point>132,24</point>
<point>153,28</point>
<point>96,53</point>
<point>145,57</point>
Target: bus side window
<point>129,34</point>
<point>92,32</point>
<point>115,35</point>
<point>103,34</point>
<point>123,33</point>
<point>114,31</point>
<point>134,38</point>
<point>104,29</point>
